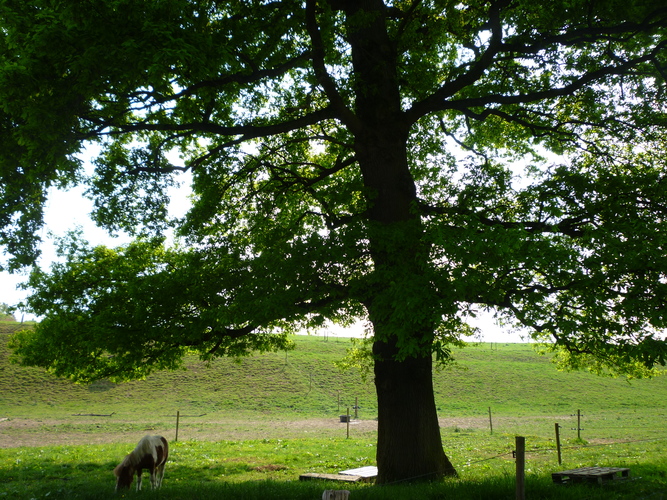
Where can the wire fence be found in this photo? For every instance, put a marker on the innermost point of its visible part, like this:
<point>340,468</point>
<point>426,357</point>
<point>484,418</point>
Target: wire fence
<point>542,450</point>
<point>522,455</point>
<point>550,450</point>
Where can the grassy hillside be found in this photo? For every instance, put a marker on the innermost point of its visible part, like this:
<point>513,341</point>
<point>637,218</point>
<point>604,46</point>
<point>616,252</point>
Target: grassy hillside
<point>302,382</point>
<point>510,378</point>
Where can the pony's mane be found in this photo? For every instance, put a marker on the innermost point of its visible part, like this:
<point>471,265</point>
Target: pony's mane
<point>131,459</point>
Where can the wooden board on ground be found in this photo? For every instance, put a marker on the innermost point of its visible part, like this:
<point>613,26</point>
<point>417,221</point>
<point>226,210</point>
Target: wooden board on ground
<point>310,476</point>
<point>362,474</point>
<point>369,472</point>
<point>591,475</point>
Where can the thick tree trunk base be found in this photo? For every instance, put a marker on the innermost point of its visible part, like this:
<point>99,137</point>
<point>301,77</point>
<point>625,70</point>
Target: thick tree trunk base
<point>409,442</point>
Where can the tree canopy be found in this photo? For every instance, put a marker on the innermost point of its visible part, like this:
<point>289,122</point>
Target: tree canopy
<point>405,162</point>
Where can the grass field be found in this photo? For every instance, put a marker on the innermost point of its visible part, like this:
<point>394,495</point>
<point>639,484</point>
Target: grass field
<point>249,429</point>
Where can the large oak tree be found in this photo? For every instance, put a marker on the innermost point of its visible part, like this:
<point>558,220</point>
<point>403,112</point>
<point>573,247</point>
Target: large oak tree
<point>406,162</point>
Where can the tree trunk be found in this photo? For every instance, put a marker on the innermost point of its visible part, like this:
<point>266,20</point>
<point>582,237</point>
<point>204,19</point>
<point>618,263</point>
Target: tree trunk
<point>409,446</point>
<point>400,309</point>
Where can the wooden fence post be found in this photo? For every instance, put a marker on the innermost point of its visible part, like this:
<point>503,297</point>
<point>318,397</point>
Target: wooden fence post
<point>520,454</point>
<point>578,428</point>
<point>490,421</point>
<point>178,417</point>
<point>560,459</point>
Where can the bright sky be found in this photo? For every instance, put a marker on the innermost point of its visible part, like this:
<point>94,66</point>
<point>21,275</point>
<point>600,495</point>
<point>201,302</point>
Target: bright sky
<point>69,210</point>
<point>65,211</point>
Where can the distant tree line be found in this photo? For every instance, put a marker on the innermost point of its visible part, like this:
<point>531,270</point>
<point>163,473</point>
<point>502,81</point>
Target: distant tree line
<point>6,313</point>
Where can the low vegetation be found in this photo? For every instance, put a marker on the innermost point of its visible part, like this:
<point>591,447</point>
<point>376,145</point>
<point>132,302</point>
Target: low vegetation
<point>248,429</point>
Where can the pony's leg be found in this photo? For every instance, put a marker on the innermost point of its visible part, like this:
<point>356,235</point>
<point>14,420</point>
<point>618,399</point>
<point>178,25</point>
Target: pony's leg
<point>153,479</point>
<point>139,479</point>
<point>160,474</point>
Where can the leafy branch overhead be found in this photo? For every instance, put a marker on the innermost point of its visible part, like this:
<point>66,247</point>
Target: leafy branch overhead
<point>267,106</point>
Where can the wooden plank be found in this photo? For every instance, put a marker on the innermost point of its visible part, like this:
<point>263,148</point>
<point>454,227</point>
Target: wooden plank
<point>367,472</point>
<point>93,414</point>
<point>311,476</point>
<point>591,474</point>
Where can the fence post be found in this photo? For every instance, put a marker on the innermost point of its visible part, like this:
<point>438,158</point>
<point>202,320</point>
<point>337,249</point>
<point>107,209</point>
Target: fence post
<point>490,421</point>
<point>560,460</point>
<point>178,417</point>
<point>520,454</point>
<point>579,429</point>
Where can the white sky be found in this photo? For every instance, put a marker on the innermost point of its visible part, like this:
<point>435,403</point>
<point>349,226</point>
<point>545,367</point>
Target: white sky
<point>65,211</point>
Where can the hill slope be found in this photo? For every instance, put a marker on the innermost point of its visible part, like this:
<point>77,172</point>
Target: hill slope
<point>511,378</point>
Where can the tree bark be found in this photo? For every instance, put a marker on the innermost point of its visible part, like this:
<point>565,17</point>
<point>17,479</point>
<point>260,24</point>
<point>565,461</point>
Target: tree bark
<point>409,445</point>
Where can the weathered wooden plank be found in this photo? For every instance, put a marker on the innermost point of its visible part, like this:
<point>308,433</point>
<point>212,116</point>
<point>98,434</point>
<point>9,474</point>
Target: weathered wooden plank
<point>336,495</point>
<point>310,476</point>
<point>591,474</point>
<point>367,472</point>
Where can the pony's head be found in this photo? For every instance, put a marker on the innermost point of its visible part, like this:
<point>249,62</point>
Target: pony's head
<point>124,474</point>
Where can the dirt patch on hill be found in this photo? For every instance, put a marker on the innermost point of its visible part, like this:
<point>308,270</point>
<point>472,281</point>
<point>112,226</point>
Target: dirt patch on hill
<point>17,432</point>
<point>46,432</point>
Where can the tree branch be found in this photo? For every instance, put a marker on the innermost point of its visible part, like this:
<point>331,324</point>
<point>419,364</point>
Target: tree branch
<point>439,100</point>
<point>569,226</point>
<point>485,61</point>
<point>239,78</point>
<point>245,132</point>
<point>542,95</point>
<point>323,77</point>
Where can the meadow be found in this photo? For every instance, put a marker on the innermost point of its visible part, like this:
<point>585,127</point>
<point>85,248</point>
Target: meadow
<point>249,428</point>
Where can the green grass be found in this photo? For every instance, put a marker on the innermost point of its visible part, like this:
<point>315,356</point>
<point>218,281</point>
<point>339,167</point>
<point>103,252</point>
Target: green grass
<point>238,440</point>
<point>257,468</point>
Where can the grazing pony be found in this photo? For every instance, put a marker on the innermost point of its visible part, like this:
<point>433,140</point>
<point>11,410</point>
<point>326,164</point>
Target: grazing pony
<point>151,453</point>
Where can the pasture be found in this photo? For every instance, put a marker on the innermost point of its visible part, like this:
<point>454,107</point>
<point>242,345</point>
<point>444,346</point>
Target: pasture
<point>248,429</point>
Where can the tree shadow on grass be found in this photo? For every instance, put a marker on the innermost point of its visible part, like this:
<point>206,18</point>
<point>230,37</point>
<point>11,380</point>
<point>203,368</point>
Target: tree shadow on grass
<point>93,481</point>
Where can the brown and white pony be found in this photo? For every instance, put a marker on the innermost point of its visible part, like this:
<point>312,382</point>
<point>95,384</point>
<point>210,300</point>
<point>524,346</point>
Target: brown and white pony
<point>151,453</point>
